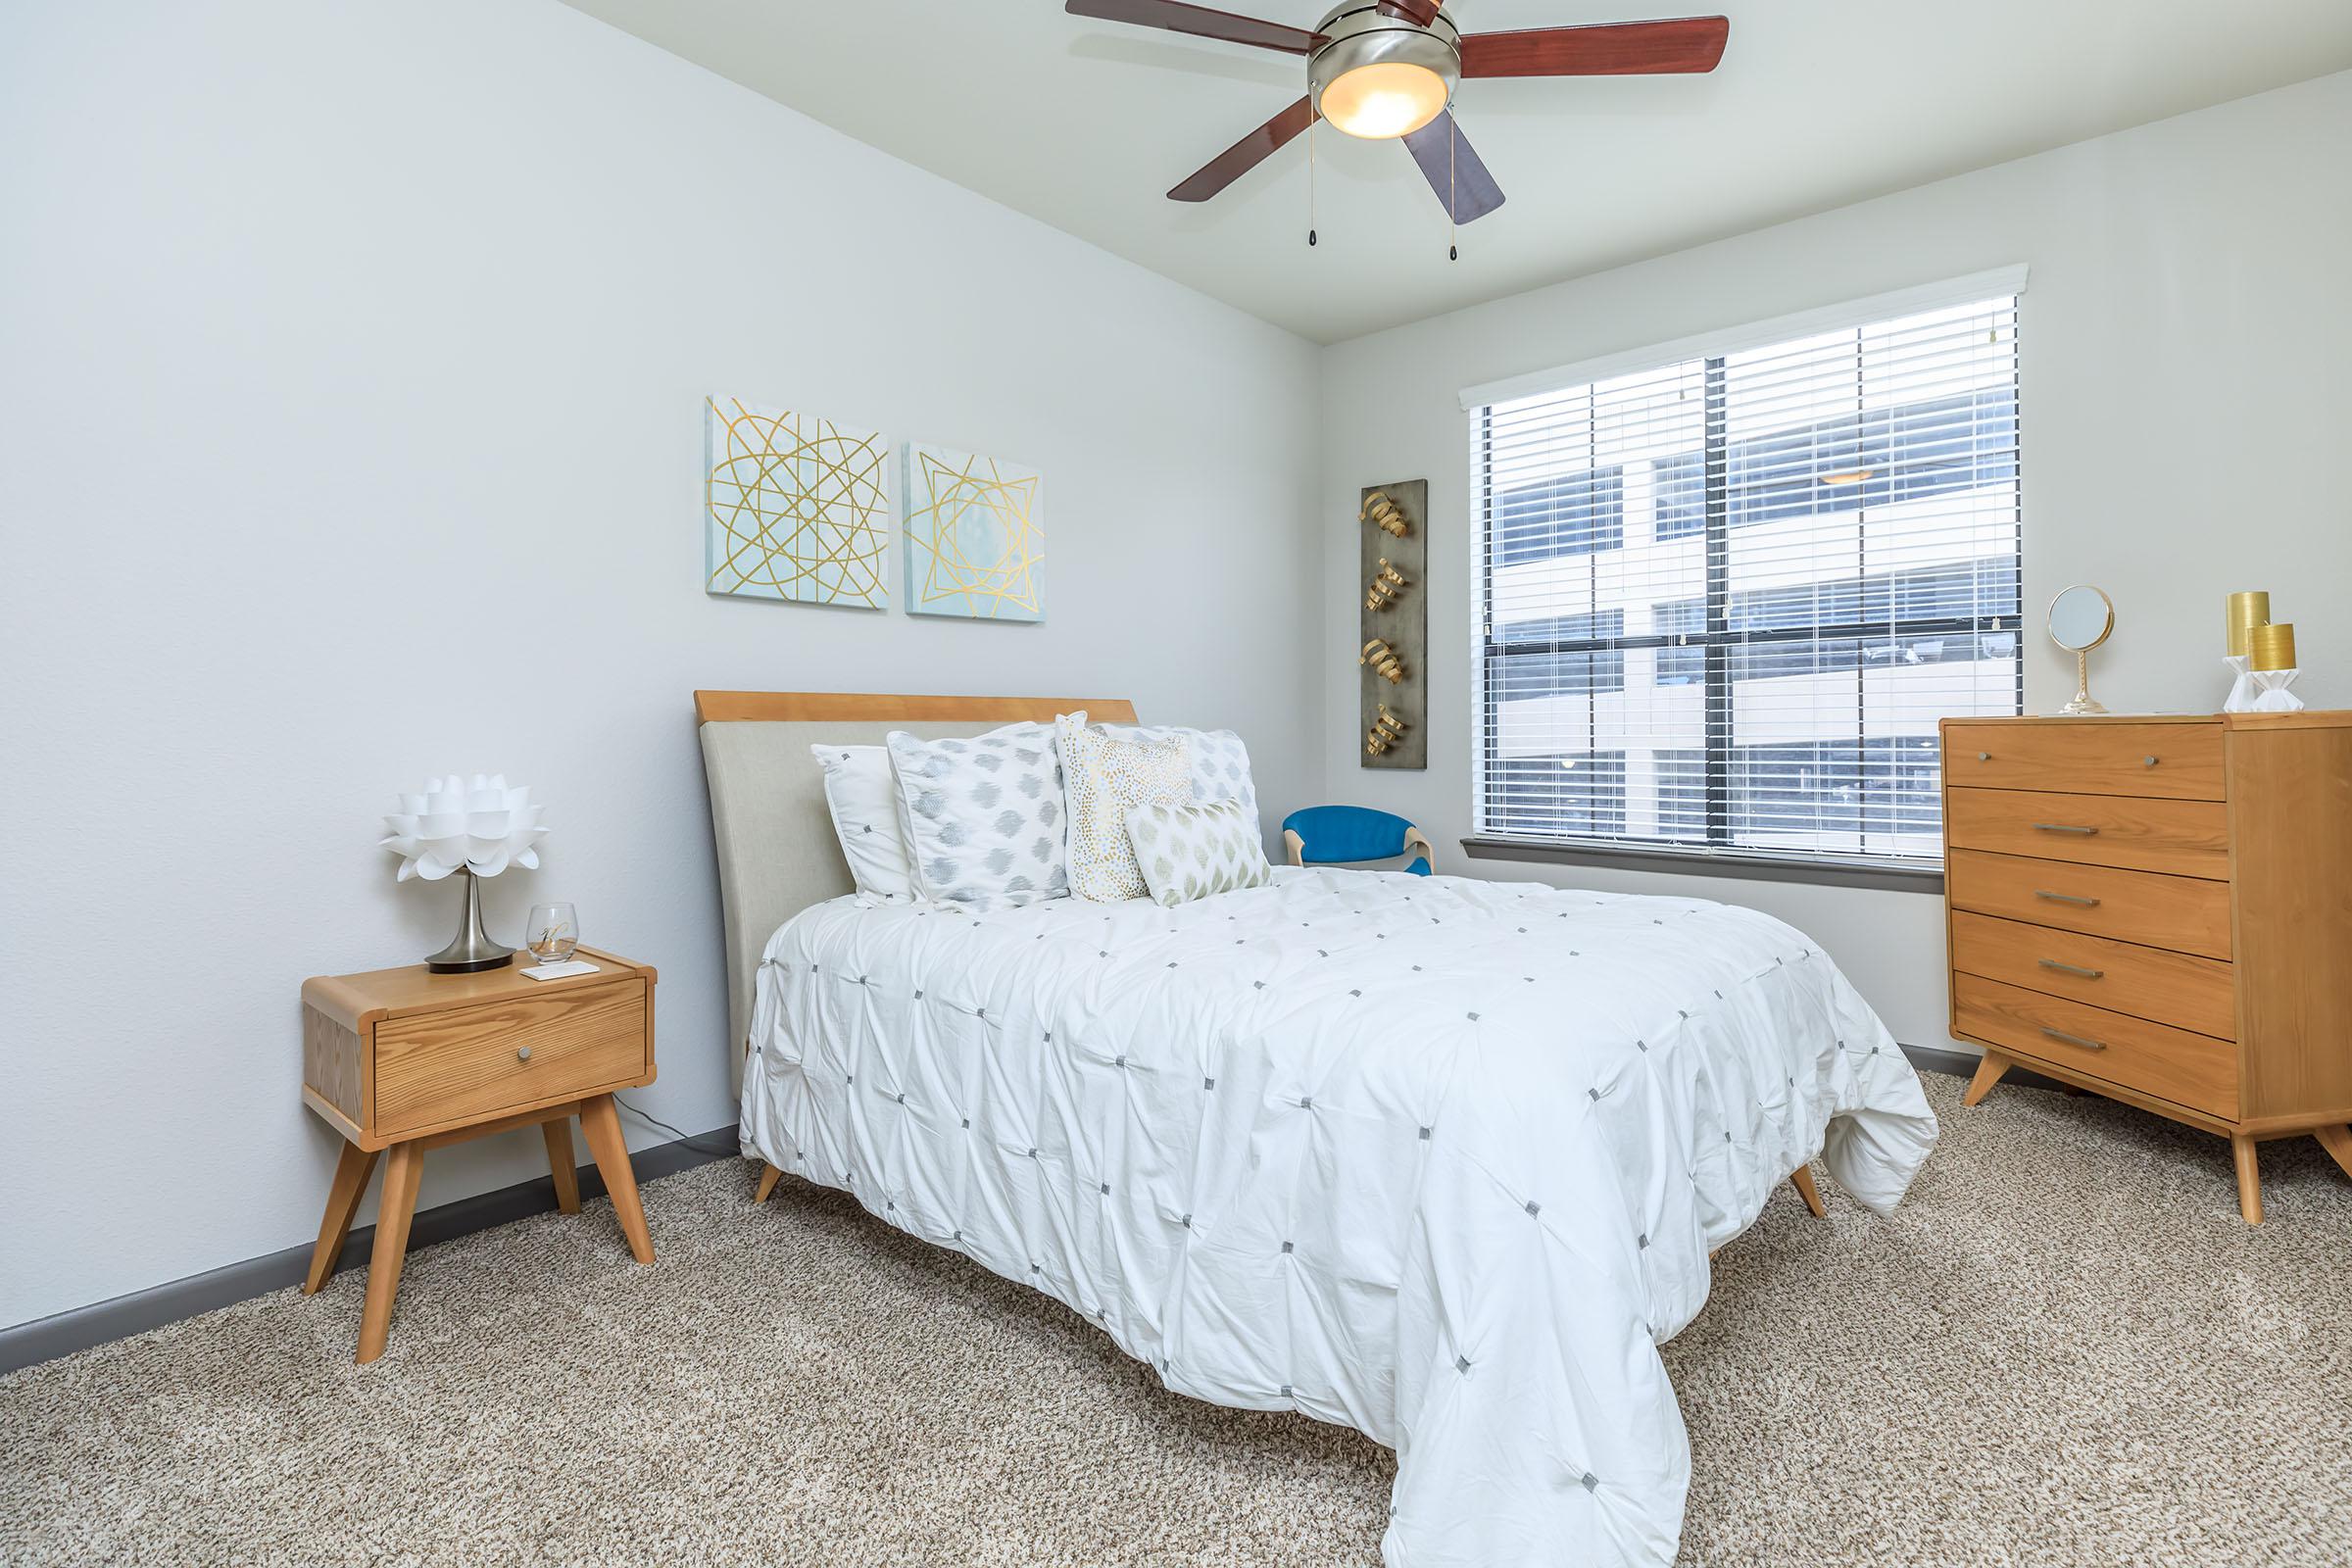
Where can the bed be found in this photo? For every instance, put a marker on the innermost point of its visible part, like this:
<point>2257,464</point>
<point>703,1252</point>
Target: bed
<point>1440,1159</point>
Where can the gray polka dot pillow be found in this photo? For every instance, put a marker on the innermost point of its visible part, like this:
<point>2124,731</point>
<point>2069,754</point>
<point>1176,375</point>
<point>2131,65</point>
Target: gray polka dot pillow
<point>984,816</point>
<point>1220,761</point>
<point>1189,851</point>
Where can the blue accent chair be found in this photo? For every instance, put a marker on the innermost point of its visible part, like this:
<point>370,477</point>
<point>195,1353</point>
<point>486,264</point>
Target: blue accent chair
<point>1334,835</point>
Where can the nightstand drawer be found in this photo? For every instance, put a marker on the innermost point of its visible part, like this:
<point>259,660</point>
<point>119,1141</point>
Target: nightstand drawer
<point>2172,1064</point>
<point>2185,913</point>
<point>476,1062</point>
<point>2179,989</point>
<point>2180,838</point>
<point>2174,761</point>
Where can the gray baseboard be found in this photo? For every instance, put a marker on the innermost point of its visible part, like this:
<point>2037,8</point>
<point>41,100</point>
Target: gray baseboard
<point>1960,1064</point>
<point>48,1338</point>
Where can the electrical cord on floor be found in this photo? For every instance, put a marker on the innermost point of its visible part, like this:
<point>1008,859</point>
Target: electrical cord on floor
<point>692,1142</point>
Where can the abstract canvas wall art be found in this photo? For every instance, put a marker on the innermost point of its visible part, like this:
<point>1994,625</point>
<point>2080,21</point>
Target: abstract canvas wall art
<point>975,536</point>
<point>795,507</point>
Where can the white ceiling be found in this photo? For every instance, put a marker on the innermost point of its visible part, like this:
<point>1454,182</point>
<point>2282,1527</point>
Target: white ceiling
<point>1818,103</point>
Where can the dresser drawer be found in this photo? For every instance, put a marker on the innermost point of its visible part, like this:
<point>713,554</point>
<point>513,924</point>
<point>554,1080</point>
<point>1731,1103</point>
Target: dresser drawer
<point>2179,989</point>
<point>472,1063</point>
<point>2171,762</point>
<point>2188,1069</point>
<point>2185,913</point>
<point>2182,838</point>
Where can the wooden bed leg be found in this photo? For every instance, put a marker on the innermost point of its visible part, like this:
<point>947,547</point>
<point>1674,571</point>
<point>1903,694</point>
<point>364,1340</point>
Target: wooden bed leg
<point>768,1177</point>
<point>2337,1141</point>
<point>2249,1179</point>
<point>1802,1180</point>
<point>1989,1073</point>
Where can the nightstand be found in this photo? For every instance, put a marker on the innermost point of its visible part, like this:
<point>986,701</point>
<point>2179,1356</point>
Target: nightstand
<point>409,1061</point>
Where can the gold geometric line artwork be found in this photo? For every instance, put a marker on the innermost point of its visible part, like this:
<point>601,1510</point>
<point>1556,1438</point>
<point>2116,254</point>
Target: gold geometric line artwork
<point>795,507</point>
<point>975,536</point>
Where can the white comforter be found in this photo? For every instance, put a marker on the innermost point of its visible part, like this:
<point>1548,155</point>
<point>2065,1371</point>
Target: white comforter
<point>1436,1158</point>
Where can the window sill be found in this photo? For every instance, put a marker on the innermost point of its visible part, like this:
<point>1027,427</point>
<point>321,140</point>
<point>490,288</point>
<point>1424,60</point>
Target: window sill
<point>1903,876</point>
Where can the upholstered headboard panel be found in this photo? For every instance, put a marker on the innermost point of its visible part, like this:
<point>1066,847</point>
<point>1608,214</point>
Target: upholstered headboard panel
<point>776,851</point>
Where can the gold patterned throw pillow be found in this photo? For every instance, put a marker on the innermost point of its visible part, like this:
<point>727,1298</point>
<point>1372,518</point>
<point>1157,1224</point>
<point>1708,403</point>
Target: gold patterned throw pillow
<point>1106,779</point>
<point>1189,851</point>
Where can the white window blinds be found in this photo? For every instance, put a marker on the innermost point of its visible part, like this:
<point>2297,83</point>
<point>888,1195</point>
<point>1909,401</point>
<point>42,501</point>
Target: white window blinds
<point>1723,601</point>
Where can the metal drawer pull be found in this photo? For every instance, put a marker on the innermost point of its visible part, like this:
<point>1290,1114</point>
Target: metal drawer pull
<point>2061,827</point>
<point>2147,761</point>
<point>2073,1040</point>
<point>1984,757</point>
<point>2066,898</point>
<point>522,1053</point>
<point>2073,968</point>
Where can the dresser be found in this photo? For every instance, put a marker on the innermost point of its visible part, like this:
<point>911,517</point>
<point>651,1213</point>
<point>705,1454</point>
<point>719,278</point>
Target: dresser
<point>2159,909</point>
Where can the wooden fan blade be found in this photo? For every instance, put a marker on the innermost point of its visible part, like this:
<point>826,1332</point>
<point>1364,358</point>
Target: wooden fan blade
<point>1689,45</point>
<point>1454,169</point>
<point>1420,12</point>
<point>1245,154</point>
<point>1200,22</point>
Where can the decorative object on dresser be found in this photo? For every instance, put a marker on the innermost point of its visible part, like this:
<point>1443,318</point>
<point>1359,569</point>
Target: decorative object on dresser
<point>408,1060</point>
<point>2081,618</point>
<point>2159,909</point>
<point>1393,646</point>
<point>2260,658</point>
<point>793,507</point>
<point>975,536</point>
<point>473,829</point>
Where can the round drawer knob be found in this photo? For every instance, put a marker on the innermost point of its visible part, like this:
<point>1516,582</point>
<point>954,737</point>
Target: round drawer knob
<point>522,1053</point>
<point>1984,757</point>
<point>2148,761</point>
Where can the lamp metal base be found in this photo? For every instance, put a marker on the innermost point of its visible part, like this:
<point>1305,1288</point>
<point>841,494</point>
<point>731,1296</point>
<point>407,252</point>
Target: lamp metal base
<point>471,948</point>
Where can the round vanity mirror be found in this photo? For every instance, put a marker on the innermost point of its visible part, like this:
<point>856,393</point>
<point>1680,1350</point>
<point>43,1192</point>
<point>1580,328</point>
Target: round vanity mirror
<point>2081,618</point>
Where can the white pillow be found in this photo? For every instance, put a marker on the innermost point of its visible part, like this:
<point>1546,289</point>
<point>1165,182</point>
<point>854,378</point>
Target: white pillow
<point>984,818</point>
<point>1104,776</point>
<point>1189,851</point>
<point>863,797</point>
<point>1220,762</point>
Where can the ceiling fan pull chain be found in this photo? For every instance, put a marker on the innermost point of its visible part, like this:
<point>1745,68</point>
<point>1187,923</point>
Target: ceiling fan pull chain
<point>1310,181</point>
<point>1453,252</point>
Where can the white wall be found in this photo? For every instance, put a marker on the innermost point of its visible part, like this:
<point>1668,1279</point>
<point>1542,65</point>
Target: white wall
<point>2184,402</point>
<point>350,369</point>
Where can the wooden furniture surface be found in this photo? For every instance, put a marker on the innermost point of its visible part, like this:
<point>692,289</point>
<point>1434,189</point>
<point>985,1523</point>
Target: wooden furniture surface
<point>2159,909</point>
<point>806,707</point>
<point>408,1061</point>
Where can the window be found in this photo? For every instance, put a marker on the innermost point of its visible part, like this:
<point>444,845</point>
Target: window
<point>1726,591</point>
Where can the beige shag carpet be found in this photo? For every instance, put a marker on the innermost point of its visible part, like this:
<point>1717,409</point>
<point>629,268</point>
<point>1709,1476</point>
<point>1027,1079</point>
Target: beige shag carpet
<point>2065,1349</point>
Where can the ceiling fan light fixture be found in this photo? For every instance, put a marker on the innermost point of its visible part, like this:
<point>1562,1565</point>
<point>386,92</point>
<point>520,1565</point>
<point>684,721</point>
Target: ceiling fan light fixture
<point>1384,100</point>
<point>1379,76</point>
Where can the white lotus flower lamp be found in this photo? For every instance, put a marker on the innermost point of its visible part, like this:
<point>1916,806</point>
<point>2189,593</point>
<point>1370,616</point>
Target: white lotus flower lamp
<point>478,828</point>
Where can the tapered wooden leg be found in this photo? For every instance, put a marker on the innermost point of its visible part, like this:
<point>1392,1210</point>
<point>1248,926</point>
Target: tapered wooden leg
<point>2337,1141</point>
<point>343,1196</point>
<point>1988,1072</point>
<point>393,1211</point>
<point>1803,1179</point>
<point>558,1134</point>
<point>768,1177</point>
<point>2249,1180</point>
<point>601,1122</point>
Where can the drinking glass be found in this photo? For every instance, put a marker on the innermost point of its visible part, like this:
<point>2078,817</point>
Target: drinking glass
<point>553,932</point>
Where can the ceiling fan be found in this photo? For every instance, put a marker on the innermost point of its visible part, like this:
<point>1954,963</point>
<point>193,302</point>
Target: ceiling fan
<point>1387,69</point>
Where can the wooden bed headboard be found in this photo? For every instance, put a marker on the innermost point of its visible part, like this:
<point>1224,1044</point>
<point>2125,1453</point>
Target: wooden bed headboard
<point>776,851</point>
